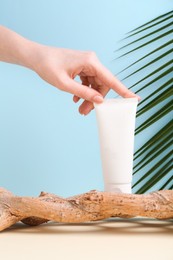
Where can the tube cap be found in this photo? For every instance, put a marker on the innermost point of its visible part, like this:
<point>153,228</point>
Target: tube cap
<point>120,188</point>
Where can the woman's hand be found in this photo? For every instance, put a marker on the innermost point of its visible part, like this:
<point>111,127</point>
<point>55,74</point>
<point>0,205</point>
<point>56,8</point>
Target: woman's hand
<point>59,67</point>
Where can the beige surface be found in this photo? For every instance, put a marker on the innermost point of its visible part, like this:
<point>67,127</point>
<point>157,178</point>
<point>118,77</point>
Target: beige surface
<point>136,239</point>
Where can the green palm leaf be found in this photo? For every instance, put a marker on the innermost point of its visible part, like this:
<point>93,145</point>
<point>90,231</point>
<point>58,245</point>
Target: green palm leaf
<point>153,159</point>
<point>168,183</point>
<point>150,63</point>
<point>154,72</point>
<point>148,54</point>
<point>146,43</point>
<point>155,117</point>
<point>161,88</point>
<point>151,156</point>
<point>157,138</point>
<point>152,21</point>
<point>151,33</point>
<point>155,101</point>
<point>155,167</point>
<point>168,17</point>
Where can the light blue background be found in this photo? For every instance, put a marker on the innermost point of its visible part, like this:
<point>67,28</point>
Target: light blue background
<point>44,143</point>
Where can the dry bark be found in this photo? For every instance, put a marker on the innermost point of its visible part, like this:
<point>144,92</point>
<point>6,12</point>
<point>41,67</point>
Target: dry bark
<point>91,206</point>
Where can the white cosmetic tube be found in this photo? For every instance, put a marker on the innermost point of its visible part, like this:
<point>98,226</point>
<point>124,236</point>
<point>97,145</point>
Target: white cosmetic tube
<point>116,125</point>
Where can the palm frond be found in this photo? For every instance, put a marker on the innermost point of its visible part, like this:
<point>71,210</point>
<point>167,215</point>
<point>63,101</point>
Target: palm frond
<point>154,72</point>
<point>155,117</point>
<point>153,159</point>
<point>160,76</point>
<point>155,101</point>
<point>161,88</point>
<point>150,63</point>
<point>153,20</point>
<point>148,54</point>
<point>168,17</point>
<point>164,34</point>
<point>156,139</point>
<point>150,34</point>
<point>156,167</point>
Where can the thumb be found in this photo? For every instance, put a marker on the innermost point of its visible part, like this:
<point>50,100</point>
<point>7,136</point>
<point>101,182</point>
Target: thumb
<point>83,91</point>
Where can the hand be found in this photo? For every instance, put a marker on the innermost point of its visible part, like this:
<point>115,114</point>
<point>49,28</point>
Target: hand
<point>59,67</point>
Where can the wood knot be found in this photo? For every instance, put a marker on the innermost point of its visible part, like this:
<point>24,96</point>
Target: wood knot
<point>94,196</point>
<point>74,202</point>
<point>43,193</point>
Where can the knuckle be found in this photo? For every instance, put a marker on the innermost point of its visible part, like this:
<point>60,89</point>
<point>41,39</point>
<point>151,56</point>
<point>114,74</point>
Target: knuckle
<point>91,56</point>
<point>61,87</point>
<point>62,82</point>
<point>86,94</point>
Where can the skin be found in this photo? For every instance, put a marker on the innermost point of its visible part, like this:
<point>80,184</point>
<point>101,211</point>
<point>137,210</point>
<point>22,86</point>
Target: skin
<point>59,67</point>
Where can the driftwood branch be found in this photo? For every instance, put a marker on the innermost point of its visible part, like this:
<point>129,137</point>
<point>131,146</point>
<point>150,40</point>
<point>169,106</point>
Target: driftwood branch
<point>90,206</point>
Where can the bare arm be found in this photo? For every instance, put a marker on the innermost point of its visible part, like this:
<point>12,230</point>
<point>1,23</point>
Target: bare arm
<point>16,49</point>
<point>59,67</point>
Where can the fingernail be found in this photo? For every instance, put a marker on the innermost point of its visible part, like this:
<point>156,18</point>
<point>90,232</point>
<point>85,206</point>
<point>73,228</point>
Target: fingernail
<point>139,98</point>
<point>98,99</point>
<point>86,112</point>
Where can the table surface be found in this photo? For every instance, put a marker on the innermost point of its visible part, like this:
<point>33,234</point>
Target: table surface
<point>111,239</point>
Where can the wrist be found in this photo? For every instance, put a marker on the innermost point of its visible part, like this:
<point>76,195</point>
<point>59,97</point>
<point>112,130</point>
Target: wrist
<point>16,49</point>
<point>29,55</point>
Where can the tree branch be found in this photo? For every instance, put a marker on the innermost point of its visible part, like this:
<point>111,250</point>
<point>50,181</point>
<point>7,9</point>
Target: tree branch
<point>90,206</point>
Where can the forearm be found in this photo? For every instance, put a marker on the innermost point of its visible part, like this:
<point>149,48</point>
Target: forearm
<point>16,49</point>
<point>59,67</point>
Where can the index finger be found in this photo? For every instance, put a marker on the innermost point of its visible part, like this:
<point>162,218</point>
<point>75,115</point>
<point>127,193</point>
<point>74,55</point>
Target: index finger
<point>112,82</point>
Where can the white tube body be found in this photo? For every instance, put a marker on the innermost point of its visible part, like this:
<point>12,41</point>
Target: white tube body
<point>116,125</point>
